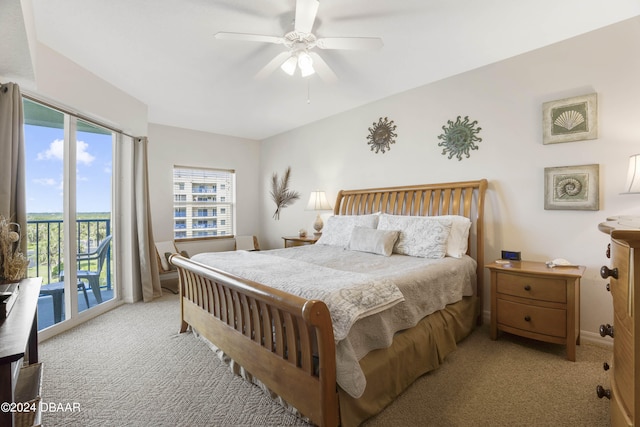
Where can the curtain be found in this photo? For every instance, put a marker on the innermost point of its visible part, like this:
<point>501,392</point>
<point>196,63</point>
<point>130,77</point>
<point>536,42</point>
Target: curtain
<point>149,278</point>
<point>12,161</point>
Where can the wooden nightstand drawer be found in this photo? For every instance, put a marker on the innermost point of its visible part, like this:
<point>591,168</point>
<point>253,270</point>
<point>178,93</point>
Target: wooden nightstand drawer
<point>535,287</point>
<point>540,320</point>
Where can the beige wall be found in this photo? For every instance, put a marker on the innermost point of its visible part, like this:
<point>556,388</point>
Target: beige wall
<point>169,146</point>
<point>505,98</point>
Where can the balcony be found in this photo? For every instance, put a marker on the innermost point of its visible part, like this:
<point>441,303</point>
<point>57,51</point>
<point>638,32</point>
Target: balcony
<point>45,250</point>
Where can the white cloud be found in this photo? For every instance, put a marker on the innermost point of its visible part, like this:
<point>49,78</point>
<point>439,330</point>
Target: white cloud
<point>56,152</point>
<point>83,155</point>
<point>50,182</point>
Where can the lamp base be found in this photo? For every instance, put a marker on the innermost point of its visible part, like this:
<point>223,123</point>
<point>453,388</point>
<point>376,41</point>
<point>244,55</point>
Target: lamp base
<point>317,225</point>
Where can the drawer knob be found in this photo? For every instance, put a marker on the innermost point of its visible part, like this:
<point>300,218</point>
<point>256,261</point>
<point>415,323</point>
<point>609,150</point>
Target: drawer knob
<point>605,366</point>
<point>609,250</point>
<point>527,287</point>
<point>606,330</point>
<point>607,272</point>
<point>603,392</point>
<point>527,318</point>
<point>608,287</point>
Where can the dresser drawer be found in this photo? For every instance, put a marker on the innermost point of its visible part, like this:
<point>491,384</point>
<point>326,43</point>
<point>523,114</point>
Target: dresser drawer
<point>534,287</point>
<point>622,363</point>
<point>539,320</point>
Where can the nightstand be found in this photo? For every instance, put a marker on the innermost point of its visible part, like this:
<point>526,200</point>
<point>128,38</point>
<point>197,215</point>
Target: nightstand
<point>290,241</point>
<point>535,301</point>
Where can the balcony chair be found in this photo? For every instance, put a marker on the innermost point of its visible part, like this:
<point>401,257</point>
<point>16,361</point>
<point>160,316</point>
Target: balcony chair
<point>93,277</point>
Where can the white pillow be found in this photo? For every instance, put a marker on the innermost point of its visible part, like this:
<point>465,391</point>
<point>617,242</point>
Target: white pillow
<point>458,240</point>
<point>421,236</point>
<point>378,242</point>
<point>337,229</point>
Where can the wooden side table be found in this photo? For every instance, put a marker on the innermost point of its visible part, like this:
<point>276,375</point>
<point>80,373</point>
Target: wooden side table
<point>535,301</point>
<point>290,241</point>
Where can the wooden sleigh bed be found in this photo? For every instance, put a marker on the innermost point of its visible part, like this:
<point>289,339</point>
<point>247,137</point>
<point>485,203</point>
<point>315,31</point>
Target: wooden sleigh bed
<point>287,342</point>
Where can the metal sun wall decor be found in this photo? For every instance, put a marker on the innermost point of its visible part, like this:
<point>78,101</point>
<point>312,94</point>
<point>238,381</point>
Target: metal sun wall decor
<point>570,119</point>
<point>382,134</point>
<point>572,187</point>
<point>459,137</point>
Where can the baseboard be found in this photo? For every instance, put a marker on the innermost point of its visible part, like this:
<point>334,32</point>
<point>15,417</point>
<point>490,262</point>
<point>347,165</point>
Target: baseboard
<point>596,339</point>
<point>585,336</point>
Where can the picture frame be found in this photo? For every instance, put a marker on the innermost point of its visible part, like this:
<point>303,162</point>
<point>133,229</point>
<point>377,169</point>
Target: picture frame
<point>570,119</point>
<point>572,188</point>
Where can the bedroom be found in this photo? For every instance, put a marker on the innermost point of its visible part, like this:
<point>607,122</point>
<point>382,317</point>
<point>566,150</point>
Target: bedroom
<point>505,97</point>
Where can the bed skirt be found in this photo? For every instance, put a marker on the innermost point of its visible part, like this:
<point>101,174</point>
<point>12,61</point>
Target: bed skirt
<point>413,353</point>
<point>389,371</point>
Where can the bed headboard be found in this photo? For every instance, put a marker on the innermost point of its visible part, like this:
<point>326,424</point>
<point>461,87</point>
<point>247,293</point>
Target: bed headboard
<point>453,198</point>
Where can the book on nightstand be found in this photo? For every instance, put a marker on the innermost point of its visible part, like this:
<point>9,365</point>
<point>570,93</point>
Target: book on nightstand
<point>8,296</point>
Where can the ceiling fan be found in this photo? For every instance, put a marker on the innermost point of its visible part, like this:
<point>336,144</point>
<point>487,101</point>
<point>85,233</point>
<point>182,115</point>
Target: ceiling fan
<point>300,44</point>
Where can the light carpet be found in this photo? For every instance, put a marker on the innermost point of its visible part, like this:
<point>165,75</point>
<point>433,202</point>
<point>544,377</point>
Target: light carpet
<point>130,367</point>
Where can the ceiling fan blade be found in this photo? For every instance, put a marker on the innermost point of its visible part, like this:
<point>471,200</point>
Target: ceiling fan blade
<point>351,43</point>
<point>273,65</point>
<point>249,37</point>
<point>322,69</point>
<point>306,11</point>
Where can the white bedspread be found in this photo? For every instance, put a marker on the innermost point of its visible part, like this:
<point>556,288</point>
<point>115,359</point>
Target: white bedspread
<point>425,286</point>
<point>349,296</point>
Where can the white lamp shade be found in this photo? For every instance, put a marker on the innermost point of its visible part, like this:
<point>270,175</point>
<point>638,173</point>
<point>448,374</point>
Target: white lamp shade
<point>306,64</point>
<point>289,66</point>
<point>633,175</point>
<point>318,201</point>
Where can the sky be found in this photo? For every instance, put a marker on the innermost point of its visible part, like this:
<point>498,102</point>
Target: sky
<point>44,149</point>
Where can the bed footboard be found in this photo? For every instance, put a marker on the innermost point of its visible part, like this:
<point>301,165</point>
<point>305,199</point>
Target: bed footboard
<point>283,340</point>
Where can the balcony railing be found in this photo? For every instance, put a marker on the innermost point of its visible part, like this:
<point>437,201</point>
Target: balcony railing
<point>45,247</point>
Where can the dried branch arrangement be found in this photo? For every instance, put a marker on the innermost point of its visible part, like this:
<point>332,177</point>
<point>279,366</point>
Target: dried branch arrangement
<point>13,263</point>
<point>280,192</point>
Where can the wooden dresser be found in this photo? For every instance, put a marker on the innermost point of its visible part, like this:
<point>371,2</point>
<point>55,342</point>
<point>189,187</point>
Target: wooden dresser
<point>19,367</point>
<point>624,284</point>
<point>535,301</point>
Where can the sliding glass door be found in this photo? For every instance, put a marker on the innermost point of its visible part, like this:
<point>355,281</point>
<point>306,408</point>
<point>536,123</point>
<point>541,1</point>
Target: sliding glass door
<point>69,216</point>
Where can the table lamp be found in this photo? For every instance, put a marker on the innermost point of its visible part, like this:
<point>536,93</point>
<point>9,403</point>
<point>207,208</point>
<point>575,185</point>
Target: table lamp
<point>318,202</point>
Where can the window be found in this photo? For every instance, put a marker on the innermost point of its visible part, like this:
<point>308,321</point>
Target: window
<point>203,193</point>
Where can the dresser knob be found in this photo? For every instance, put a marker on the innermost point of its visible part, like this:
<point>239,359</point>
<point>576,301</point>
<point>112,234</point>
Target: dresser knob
<point>606,330</point>
<point>603,392</point>
<point>609,250</point>
<point>608,287</point>
<point>607,272</point>
<point>605,366</point>
<point>527,318</point>
<point>527,287</point>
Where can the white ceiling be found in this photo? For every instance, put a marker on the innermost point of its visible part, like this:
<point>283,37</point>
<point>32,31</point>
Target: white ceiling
<point>163,52</point>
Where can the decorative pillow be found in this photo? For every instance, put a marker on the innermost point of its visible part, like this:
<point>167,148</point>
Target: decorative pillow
<point>421,236</point>
<point>337,229</point>
<point>379,242</point>
<point>458,241</point>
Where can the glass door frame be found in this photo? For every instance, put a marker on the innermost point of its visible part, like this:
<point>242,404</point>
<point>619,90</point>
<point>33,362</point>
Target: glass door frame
<point>72,317</point>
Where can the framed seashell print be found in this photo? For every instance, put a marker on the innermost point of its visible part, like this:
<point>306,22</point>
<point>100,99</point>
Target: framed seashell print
<point>570,119</point>
<point>572,188</point>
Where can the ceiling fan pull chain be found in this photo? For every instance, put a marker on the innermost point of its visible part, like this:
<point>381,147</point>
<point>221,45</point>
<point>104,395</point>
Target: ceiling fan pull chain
<point>308,91</point>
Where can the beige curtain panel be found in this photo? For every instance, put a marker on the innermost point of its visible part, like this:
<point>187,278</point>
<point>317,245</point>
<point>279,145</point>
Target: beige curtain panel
<point>149,279</point>
<point>12,161</point>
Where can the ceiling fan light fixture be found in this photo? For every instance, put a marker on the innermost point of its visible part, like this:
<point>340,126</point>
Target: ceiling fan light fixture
<point>305,62</point>
<point>289,66</point>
